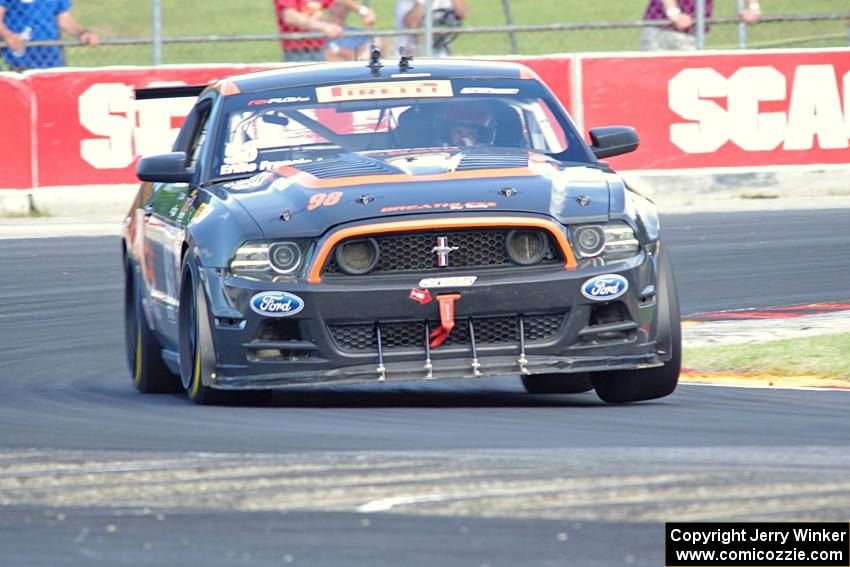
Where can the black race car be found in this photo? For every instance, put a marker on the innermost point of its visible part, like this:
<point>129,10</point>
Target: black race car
<point>370,222</point>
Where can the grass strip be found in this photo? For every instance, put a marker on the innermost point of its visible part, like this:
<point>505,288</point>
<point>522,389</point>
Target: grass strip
<point>824,356</point>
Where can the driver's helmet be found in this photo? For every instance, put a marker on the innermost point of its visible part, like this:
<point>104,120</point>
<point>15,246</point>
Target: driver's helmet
<point>466,124</point>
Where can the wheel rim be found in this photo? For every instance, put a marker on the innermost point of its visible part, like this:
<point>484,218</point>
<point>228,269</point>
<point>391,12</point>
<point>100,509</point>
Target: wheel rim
<point>189,356</point>
<point>137,374</point>
<point>133,330</point>
<point>194,346</point>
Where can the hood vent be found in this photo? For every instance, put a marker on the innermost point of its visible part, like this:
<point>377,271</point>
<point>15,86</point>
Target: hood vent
<point>492,158</point>
<point>346,167</point>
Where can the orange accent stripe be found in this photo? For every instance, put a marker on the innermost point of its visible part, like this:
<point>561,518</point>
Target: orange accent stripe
<point>312,182</point>
<point>437,224</point>
<point>227,88</point>
<point>527,73</point>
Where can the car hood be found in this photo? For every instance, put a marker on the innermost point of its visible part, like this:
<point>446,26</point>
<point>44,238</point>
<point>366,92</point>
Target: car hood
<point>308,197</point>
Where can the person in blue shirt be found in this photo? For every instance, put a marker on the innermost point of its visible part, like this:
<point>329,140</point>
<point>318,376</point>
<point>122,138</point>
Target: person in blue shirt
<point>38,20</point>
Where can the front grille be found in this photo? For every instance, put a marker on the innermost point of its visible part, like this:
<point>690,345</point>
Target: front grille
<point>400,335</point>
<point>414,252</point>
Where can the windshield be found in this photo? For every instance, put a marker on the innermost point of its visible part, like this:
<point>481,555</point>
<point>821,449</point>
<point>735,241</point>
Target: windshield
<point>262,132</point>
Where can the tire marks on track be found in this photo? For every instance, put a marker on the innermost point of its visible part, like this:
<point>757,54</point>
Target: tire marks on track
<point>578,485</point>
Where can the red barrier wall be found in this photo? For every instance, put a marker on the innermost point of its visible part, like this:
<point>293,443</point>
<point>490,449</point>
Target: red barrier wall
<point>724,110</point>
<point>16,141</point>
<point>91,129</point>
<point>691,111</point>
<point>555,72</point>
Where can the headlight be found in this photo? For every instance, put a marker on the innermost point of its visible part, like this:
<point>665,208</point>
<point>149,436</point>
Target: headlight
<point>267,261</point>
<point>590,240</point>
<point>357,257</point>
<point>608,242</point>
<point>525,247</point>
<point>284,257</point>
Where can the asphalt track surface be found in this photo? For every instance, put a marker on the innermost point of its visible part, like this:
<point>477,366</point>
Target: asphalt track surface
<point>448,473</point>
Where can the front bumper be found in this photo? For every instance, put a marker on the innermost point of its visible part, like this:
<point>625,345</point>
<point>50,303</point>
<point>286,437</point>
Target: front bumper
<point>254,351</point>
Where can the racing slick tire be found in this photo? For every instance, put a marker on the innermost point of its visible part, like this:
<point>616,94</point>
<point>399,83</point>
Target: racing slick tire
<point>619,387</point>
<point>557,383</point>
<point>197,351</point>
<point>144,353</point>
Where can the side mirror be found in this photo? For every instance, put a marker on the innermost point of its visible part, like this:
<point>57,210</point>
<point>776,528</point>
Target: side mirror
<point>613,140</point>
<point>166,168</point>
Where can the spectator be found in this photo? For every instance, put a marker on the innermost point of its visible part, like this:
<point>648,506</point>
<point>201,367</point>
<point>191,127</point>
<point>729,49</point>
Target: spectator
<point>31,20</point>
<point>309,16</point>
<point>350,48</point>
<point>410,13</point>
<point>680,33</point>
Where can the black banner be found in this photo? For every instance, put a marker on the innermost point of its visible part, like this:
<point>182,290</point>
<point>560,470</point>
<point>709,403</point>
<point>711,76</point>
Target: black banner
<point>757,544</point>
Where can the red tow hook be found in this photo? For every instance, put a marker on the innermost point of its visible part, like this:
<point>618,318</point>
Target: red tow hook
<point>447,319</point>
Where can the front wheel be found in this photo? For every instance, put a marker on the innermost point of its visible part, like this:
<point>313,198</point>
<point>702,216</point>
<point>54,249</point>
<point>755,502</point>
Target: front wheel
<point>619,387</point>
<point>557,383</point>
<point>197,351</point>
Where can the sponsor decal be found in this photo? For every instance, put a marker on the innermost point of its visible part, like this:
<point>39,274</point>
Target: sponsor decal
<point>488,90</point>
<point>202,212</point>
<point>277,100</point>
<point>276,304</point>
<point>239,157</point>
<point>185,208</point>
<point>382,90</point>
<point>422,296</point>
<point>603,288</point>
<point>456,281</point>
<point>268,165</point>
<point>324,200</point>
<point>471,205</point>
<point>229,168</point>
<point>240,152</point>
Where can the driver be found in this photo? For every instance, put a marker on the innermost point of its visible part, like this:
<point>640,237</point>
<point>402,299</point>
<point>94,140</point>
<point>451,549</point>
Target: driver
<point>465,133</point>
<point>466,124</point>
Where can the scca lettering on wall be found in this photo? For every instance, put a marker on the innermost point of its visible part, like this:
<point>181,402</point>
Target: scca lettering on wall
<point>814,116</point>
<point>126,128</point>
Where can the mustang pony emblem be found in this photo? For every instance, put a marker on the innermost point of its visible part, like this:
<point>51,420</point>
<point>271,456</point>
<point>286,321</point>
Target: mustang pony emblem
<point>442,249</point>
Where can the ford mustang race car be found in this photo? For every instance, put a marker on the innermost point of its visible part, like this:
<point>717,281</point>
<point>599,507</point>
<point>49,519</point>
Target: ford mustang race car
<point>373,221</point>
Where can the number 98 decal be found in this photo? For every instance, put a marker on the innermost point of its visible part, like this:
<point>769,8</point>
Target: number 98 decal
<point>324,200</point>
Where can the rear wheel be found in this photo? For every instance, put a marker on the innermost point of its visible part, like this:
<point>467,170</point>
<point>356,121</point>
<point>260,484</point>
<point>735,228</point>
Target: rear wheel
<point>618,387</point>
<point>557,383</point>
<point>144,353</point>
<point>197,351</point>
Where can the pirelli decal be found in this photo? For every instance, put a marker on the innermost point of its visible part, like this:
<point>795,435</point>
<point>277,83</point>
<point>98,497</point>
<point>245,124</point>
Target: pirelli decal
<point>384,89</point>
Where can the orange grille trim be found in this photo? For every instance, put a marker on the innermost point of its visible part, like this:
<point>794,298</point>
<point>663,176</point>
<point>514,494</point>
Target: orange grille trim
<point>314,275</point>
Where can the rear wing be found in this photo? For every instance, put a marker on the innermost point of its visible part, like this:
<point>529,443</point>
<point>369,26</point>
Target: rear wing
<point>177,91</point>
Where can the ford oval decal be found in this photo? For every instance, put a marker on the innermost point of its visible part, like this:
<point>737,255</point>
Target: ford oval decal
<point>603,288</point>
<point>276,304</point>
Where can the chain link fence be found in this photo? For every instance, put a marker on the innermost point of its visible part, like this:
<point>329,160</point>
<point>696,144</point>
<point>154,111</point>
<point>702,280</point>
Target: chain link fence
<point>145,32</point>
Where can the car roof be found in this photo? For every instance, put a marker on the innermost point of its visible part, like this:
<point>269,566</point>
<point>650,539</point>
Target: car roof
<point>324,73</point>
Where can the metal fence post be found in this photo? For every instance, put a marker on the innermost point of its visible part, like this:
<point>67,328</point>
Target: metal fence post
<point>509,19</point>
<point>156,31</point>
<point>742,28</point>
<point>700,24</point>
<point>429,28</point>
